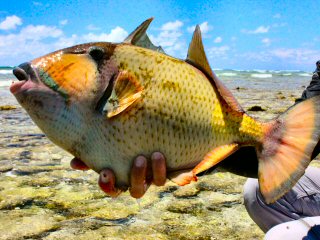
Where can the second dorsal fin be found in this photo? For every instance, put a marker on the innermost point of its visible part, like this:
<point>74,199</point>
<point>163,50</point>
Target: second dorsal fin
<point>197,57</point>
<point>139,37</point>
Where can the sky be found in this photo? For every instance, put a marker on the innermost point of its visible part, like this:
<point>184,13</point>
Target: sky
<point>244,35</point>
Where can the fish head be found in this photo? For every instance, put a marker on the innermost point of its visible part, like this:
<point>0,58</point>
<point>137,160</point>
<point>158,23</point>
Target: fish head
<point>62,89</point>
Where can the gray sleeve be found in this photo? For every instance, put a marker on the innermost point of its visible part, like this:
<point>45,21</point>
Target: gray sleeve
<point>303,200</point>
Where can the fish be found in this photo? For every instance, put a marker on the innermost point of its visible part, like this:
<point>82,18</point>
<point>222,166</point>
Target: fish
<point>106,103</point>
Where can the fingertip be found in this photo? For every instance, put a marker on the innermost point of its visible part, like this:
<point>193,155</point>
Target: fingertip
<point>157,156</point>
<point>138,177</point>
<point>140,162</point>
<point>159,168</point>
<point>77,164</point>
<point>107,183</point>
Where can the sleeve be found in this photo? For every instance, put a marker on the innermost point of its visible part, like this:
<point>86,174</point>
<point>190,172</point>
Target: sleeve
<point>314,87</point>
<point>312,90</point>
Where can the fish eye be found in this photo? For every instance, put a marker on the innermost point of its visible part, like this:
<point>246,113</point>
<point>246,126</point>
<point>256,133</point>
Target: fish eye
<point>96,53</point>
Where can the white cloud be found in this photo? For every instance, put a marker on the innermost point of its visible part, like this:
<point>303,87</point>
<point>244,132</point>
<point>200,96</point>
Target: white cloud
<point>218,52</point>
<point>266,41</point>
<point>172,26</point>
<point>297,55</point>
<point>92,27</point>
<point>63,22</point>
<point>117,34</point>
<point>218,40</point>
<point>11,22</point>
<point>40,32</point>
<point>204,27</point>
<point>34,41</point>
<point>169,38</point>
<point>258,30</point>
<point>300,57</point>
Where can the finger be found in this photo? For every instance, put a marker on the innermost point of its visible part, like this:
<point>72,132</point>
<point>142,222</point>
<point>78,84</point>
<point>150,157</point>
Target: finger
<point>138,177</point>
<point>77,164</point>
<point>159,169</point>
<point>107,183</point>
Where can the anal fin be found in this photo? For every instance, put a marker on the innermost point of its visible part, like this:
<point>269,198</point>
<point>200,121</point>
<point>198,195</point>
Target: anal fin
<point>215,156</point>
<point>211,159</point>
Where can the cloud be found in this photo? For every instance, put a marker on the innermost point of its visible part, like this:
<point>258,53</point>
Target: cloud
<point>11,22</point>
<point>40,32</point>
<point>218,40</point>
<point>299,57</point>
<point>117,34</point>
<point>204,27</point>
<point>218,52</point>
<point>170,39</point>
<point>63,22</point>
<point>92,27</point>
<point>172,26</point>
<point>258,30</point>
<point>266,41</point>
<point>36,40</point>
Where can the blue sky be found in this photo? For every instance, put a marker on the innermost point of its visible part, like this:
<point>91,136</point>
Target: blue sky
<point>270,35</point>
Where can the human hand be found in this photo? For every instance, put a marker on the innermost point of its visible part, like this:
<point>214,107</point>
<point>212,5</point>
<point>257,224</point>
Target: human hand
<point>141,176</point>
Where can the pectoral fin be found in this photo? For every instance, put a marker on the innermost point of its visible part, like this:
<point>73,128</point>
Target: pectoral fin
<point>125,92</point>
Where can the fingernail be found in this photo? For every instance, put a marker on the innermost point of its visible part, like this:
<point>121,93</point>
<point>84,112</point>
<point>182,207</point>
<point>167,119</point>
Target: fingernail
<point>104,177</point>
<point>140,161</point>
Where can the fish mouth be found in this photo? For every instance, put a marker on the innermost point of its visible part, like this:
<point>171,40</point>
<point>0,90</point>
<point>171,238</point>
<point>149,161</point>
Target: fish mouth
<point>27,76</point>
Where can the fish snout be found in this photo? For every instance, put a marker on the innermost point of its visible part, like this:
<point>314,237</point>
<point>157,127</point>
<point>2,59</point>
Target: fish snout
<point>27,77</point>
<point>25,72</point>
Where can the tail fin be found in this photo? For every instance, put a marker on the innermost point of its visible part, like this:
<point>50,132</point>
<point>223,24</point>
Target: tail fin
<point>287,148</point>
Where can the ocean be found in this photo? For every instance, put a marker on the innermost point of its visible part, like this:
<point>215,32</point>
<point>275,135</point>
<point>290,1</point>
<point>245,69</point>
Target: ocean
<point>255,79</point>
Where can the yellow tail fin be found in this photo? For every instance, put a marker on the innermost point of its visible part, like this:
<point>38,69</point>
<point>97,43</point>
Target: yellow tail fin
<point>287,148</point>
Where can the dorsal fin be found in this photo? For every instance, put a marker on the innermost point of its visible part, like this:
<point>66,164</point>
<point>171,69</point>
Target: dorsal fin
<point>197,57</point>
<point>139,37</point>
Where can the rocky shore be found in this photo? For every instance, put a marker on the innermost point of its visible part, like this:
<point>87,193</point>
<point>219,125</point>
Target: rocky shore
<point>41,197</point>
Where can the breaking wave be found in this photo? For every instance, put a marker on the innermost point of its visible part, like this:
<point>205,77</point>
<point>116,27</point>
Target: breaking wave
<point>228,74</point>
<point>6,71</point>
<point>260,75</point>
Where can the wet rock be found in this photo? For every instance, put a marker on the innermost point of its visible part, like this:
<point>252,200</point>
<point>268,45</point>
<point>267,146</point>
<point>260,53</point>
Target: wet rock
<point>186,206</point>
<point>5,166</point>
<point>186,191</point>
<point>256,109</point>
<point>29,170</point>
<point>27,223</point>
<point>25,155</point>
<point>7,107</point>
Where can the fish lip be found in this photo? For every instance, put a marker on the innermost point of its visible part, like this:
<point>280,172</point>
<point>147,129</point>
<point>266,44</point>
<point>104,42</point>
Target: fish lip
<point>33,81</point>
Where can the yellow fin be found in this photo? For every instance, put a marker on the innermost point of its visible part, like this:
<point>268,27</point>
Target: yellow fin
<point>197,57</point>
<point>182,177</point>
<point>215,156</point>
<point>196,52</point>
<point>126,91</point>
<point>287,148</point>
<point>211,159</point>
<point>139,37</point>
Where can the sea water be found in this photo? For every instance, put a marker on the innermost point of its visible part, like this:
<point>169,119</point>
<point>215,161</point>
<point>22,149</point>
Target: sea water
<point>255,79</point>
